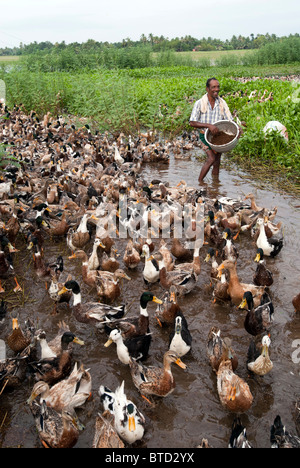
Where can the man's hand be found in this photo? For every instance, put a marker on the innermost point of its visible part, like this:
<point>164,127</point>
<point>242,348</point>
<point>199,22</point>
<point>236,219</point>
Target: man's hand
<point>213,129</point>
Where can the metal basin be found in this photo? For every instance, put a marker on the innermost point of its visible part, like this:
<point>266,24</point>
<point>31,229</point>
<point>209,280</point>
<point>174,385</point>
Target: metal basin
<point>226,126</point>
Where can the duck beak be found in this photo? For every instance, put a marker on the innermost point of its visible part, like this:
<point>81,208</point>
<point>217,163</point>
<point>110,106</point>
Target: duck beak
<point>12,249</point>
<point>207,258</point>
<point>62,291</point>
<point>172,297</point>
<point>232,394</point>
<point>78,341</point>
<point>257,258</point>
<point>126,277</point>
<point>131,424</point>
<point>72,257</point>
<point>180,363</point>
<point>243,304</point>
<point>108,343</point>
<point>32,398</point>
<point>220,270</point>
<point>158,301</point>
<point>15,324</point>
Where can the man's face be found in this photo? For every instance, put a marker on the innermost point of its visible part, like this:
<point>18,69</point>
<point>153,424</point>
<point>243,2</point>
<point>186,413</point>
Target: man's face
<point>214,89</point>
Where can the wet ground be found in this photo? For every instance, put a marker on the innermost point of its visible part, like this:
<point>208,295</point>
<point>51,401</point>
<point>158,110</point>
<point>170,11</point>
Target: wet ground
<point>193,411</point>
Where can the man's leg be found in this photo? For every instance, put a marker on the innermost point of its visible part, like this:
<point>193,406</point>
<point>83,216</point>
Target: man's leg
<point>216,164</point>
<point>210,161</point>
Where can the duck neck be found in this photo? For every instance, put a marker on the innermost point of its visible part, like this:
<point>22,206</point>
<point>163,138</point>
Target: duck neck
<point>143,310</point>
<point>163,278</point>
<point>47,352</point>
<point>77,299</point>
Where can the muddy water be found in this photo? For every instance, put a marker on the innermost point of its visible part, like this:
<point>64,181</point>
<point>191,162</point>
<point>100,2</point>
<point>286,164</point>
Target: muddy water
<point>193,411</point>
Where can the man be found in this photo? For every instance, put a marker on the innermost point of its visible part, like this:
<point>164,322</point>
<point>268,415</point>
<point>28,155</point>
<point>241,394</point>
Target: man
<point>206,111</point>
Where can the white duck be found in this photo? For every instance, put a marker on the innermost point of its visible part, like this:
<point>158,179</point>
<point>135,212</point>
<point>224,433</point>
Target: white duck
<point>129,422</point>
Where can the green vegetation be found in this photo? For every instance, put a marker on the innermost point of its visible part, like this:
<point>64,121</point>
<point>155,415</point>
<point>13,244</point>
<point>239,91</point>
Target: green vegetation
<point>6,158</point>
<point>157,44</point>
<point>133,89</point>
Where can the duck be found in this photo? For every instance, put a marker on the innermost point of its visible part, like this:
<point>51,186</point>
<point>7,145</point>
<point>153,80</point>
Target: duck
<point>78,239</point>
<point>6,260</point>
<point>129,422</point>
<point>296,302</point>
<point>271,246</point>
<point>93,261</point>
<point>229,251</point>
<point>219,349</point>
<point>233,391</point>
<point>131,256</point>
<point>55,429</point>
<point>137,325</point>
<point>53,290</point>
<point>60,227</point>
<point>180,252</point>
<point>195,265</point>
<point>262,276</point>
<point>12,227</point>
<point>212,232</point>
<point>18,339</point>
<point>231,222</point>
<point>12,370</point>
<point>211,257</point>
<point>109,261</point>
<point>280,437</point>
<point>259,362</point>
<point>89,276</point>
<point>220,288</point>
<point>136,346</point>
<point>180,340</point>
<point>236,289</point>
<point>71,392</point>
<point>54,347</point>
<point>105,435</point>
<point>44,270</point>
<point>155,381</point>
<point>91,312</point>
<point>167,256</point>
<point>107,284</point>
<point>151,273</point>
<point>56,368</point>
<point>238,437</point>
<point>259,318</point>
<point>184,281</point>
<point>167,312</point>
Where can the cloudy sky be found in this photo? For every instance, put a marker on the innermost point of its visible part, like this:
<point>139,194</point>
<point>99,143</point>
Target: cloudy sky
<point>79,20</point>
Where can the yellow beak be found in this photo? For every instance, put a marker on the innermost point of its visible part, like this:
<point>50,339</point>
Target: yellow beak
<point>108,343</point>
<point>243,304</point>
<point>158,301</point>
<point>131,423</point>
<point>62,291</point>
<point>78,341</point>
<point>180,363</point>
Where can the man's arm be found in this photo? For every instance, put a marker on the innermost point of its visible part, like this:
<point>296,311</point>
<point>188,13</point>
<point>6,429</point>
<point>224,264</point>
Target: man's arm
<point>213,129</point>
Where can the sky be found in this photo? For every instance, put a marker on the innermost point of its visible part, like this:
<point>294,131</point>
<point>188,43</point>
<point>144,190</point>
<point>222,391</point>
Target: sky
<point>27,21</point>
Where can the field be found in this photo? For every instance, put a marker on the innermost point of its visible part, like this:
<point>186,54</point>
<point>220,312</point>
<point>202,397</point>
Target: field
<point>9,59</point>
<point>161,98</point>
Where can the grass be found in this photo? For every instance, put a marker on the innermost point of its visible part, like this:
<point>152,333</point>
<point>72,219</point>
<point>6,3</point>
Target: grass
<point>9,58</point>
<point>161,99</point>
